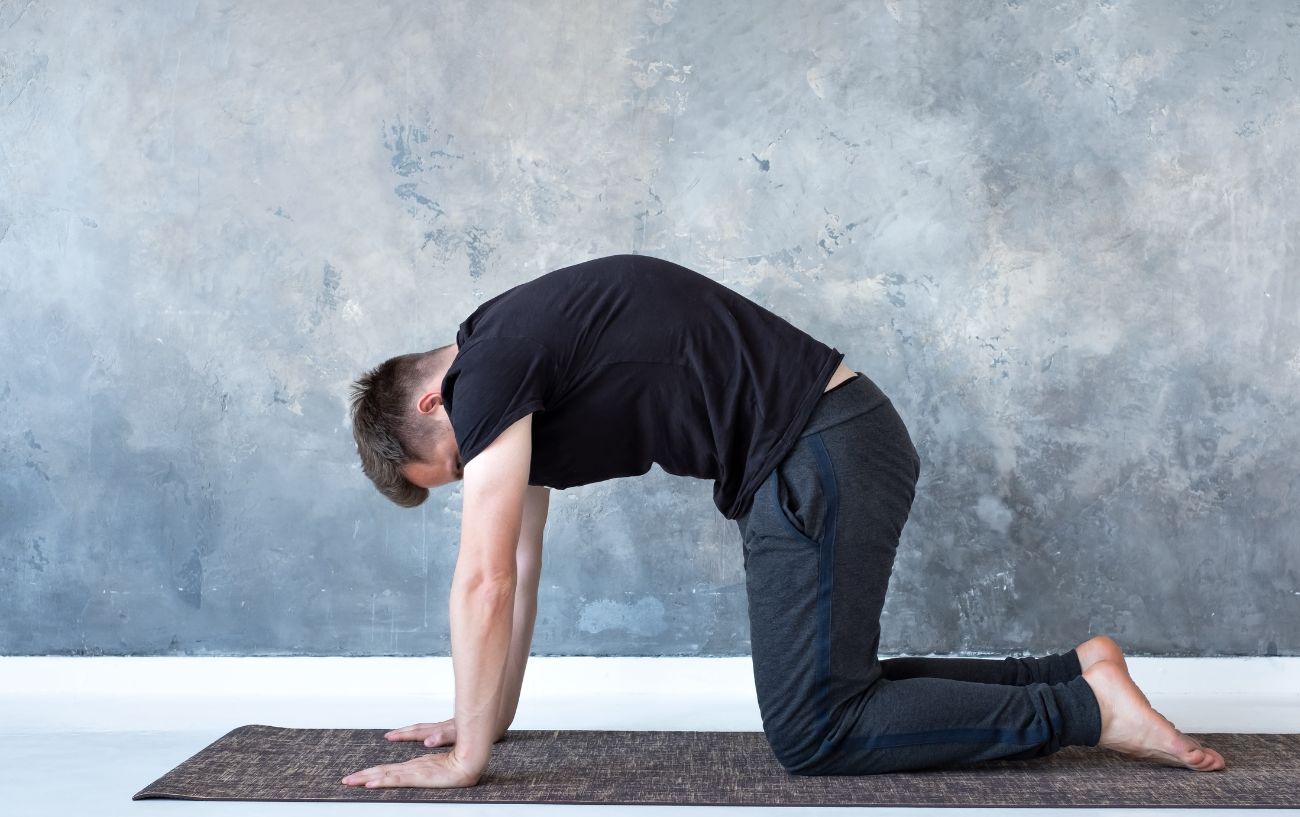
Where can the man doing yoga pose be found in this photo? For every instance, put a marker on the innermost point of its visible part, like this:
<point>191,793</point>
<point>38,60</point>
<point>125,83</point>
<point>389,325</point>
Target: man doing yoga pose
<point>597,371</point>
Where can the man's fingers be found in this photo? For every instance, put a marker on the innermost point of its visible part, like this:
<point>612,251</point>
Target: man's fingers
<point>378,772</point>
<point>363,776</point>
<point>428,771</point>
<point>442,730</point>
<point>442,737</point>
<point>416,731</point>
<point>406,731</point>
<point>386,779</point>
<point>389,774</point>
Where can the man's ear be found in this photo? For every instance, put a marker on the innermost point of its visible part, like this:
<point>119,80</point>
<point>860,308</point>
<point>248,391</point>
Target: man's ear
<point>429,401</point>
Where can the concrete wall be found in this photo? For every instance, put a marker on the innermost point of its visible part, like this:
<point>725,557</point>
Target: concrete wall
<point>1062,237</point>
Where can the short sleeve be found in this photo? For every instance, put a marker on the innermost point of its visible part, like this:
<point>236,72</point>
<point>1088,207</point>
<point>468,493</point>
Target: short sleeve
<point>492,383</point>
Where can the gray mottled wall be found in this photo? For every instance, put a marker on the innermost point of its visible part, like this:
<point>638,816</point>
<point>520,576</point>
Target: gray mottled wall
<point>1063,237</point>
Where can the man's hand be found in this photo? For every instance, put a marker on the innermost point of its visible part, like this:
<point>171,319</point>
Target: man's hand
<point>440,771</point>
<point>442,733</point>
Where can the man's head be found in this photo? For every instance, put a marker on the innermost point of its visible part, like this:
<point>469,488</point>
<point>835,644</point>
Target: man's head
<point>401,427</point>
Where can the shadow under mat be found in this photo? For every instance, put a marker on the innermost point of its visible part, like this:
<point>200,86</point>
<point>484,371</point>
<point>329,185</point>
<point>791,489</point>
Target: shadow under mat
<point>257,762</point>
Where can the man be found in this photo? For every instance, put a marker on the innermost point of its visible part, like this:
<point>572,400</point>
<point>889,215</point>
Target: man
<point>600,369</point>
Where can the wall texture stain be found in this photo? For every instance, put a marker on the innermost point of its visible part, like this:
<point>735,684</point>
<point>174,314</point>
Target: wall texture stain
<point>1058,235</point>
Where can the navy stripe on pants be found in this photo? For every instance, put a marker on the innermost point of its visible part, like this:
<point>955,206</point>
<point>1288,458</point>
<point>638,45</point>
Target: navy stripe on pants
<point>819,545</point>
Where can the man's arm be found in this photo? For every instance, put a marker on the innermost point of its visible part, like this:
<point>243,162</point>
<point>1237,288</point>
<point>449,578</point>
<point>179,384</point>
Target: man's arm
<point>528,563</point>
<point>483,589</point>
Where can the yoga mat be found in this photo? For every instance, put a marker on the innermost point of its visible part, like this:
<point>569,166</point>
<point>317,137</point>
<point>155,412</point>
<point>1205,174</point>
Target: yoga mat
<point>257,762</point>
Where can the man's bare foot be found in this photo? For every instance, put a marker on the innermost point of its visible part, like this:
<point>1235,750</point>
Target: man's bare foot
<point>1103,648</point>
<point>1100,648</point>
<point>1131,726</point>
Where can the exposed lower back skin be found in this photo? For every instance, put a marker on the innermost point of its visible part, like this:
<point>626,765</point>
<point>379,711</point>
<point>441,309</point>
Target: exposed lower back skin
<point>841,374</point>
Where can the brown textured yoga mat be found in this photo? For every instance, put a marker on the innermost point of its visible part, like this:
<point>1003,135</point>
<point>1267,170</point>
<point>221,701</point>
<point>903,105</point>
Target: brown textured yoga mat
<point>722,768</point>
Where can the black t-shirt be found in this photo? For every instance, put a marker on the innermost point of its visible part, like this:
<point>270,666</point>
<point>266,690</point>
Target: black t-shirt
<point>630,360</point>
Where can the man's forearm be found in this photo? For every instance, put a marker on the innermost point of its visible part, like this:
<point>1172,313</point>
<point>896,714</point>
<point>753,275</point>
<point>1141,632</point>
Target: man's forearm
<point>521,639</point>
<point>481,623</point>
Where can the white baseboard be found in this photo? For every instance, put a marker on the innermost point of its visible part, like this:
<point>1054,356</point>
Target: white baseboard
<point>110,694</point>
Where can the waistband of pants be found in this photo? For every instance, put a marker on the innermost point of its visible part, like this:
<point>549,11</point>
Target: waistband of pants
<point>858,395</point>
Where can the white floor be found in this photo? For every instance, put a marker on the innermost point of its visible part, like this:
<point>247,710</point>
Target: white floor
<point>81,735</point>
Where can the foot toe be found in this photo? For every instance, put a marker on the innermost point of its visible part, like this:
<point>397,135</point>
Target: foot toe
<point>1204,760</point>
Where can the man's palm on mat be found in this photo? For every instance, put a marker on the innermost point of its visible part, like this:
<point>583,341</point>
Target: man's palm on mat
<point>438,771</point>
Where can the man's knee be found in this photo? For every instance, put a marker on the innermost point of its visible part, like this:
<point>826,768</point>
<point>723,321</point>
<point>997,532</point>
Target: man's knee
<point>797,751</point>
<point>830,760</point>
<point>800,756</point>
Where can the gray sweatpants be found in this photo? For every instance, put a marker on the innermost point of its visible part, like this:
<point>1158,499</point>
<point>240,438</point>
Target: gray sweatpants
<point>819,545</point>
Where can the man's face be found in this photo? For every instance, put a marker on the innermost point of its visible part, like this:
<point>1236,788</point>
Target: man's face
<point>440,464</point>
<point>434,474</point>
